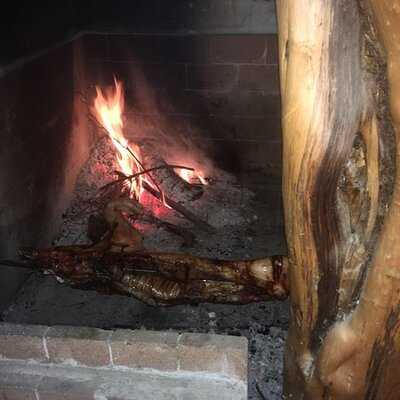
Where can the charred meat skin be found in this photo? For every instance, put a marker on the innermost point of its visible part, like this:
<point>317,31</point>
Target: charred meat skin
<point>166,278</point>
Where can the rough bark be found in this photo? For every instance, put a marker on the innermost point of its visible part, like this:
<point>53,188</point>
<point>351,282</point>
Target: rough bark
<point>371,333</point>
<point>336,186</point>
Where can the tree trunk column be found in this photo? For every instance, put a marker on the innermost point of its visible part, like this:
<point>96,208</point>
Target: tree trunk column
<point>322,109</point>
<point>344,337</point>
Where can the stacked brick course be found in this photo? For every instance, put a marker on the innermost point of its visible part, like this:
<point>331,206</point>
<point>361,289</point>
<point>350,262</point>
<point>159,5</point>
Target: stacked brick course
<point>38,362</point>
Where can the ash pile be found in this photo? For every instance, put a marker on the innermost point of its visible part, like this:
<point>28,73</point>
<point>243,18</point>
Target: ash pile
<point>221,217</point>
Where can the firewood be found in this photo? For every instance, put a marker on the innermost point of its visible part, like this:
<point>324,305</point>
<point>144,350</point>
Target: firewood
<point>170,183</point>
<point>181,209</point>
<point>122,177</point>
<point>187,236</point>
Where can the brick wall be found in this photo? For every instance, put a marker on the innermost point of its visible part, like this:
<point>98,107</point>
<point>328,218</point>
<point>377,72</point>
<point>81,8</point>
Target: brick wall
<point>224,86</point>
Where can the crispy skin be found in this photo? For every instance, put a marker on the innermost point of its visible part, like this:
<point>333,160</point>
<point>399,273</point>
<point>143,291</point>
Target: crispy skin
<point>166,278</point>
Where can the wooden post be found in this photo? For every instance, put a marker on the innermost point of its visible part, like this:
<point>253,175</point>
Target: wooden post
<point>341,196</point>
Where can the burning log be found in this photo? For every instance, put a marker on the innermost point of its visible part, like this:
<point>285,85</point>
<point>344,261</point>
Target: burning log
<point>171,203</point>
<point>122,177</point>
<point>142,161</point>
<point>180,209</point>
<point>170,183</point>
<point>165,278</point>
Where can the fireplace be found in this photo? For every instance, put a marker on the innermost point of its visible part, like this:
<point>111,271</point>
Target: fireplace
<point>213,98</point>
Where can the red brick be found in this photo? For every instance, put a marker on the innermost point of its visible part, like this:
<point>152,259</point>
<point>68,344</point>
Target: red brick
<point>164,76</point>
<point>198,128</point>
<point>249,49</point>
<point>266,156</point>
<point>162,49</point>
<point>214,77</point>
<point>258,129</point>
<point>85,346</point>
<point>225,355</point>
<point>259,77</point>
<point>225,127</point>
<point>136,76</point>
<point>145,349</point>
<point>204,102</point>
<point>22,342</point>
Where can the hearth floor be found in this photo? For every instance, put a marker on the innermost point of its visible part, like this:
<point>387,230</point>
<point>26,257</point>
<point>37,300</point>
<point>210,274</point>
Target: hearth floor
<point>244,209</point>
<point>247,213</point>
<point>43,300</point>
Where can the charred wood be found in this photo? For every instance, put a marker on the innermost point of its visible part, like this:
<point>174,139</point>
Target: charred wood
<point>171,184</point>
<point>180,209</point>
<point>188,237</point>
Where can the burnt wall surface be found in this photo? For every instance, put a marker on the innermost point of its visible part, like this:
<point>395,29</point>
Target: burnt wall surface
<point>220,89</point>
<point>43,144</point>
<point>28,27</point>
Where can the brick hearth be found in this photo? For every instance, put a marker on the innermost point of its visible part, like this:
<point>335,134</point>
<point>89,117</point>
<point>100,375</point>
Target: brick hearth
<point>62,362</point>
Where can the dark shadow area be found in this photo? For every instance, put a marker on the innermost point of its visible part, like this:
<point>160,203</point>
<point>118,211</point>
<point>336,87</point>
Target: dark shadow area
<point>27,26</point>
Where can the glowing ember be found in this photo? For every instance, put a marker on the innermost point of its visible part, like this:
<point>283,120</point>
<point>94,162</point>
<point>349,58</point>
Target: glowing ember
<point>192,177</point>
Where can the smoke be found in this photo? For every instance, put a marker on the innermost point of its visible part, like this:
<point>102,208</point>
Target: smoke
<point>172,135</point>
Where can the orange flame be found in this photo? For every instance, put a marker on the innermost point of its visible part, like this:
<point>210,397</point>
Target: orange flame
<point>192,177</point>
<point>108,110</point>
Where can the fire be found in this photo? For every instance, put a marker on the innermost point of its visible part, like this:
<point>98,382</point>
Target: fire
<point>108,111</point>
<point>192,177</point>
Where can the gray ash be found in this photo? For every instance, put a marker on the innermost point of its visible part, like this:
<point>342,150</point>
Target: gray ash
<point>244,227</point>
